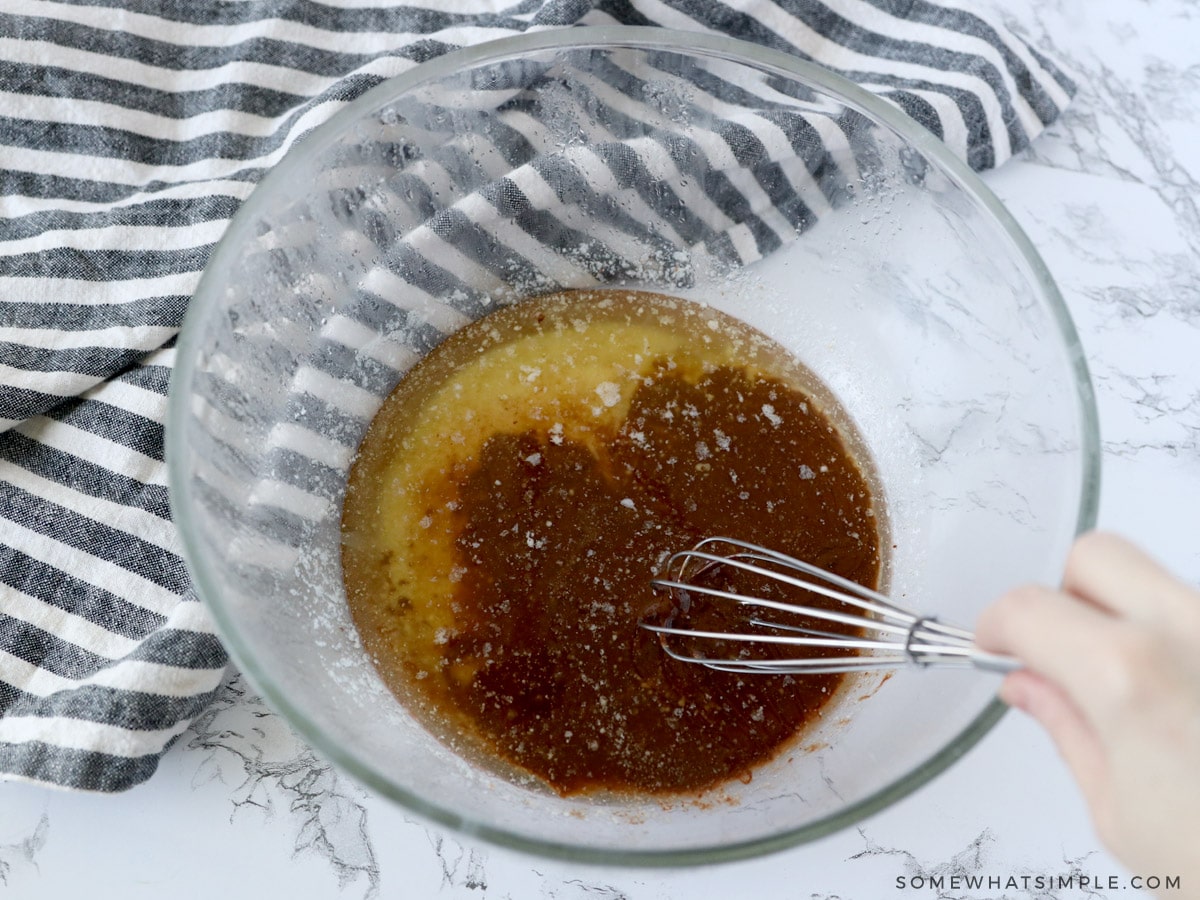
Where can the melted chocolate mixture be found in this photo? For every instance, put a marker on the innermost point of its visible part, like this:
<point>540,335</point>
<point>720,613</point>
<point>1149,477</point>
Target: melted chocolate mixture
<point>510,505</point>
<point>559,543</point>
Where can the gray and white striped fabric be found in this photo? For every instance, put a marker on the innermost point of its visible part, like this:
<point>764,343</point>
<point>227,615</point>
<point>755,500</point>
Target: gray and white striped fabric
<point>130,131</point>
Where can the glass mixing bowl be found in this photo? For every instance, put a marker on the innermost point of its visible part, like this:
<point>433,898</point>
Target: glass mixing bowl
<point>689,164</point>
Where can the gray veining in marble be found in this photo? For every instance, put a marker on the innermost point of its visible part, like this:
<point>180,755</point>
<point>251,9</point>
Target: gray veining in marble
<point>1132,124</point>
<point>461,866</point>
<point>24,852</point>
<point>270,772</point>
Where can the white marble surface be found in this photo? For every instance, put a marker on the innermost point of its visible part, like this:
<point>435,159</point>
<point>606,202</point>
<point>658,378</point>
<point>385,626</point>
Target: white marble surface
<point>1111,197</point>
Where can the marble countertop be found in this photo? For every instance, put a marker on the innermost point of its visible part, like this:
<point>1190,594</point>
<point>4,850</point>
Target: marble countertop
<point>1111,197</point>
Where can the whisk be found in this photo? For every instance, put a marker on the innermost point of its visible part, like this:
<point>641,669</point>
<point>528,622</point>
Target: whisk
<point>885,635</point>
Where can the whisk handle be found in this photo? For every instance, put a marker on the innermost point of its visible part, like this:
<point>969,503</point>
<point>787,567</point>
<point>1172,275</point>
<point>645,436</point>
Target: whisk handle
<point>994,662</point>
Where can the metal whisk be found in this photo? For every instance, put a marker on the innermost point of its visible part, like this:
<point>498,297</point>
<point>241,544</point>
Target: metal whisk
<point>883,634</point>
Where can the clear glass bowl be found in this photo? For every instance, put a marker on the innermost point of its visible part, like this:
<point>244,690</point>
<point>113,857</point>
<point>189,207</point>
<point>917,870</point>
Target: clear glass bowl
<point>687,163</point>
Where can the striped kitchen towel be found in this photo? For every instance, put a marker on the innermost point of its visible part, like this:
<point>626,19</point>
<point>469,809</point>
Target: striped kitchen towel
<point>130,131</point>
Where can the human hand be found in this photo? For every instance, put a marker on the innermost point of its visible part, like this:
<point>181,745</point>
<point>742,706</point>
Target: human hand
<point>1112,671</point>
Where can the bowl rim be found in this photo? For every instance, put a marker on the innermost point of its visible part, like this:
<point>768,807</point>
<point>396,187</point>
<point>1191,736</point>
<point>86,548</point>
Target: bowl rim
<point>765,59</point>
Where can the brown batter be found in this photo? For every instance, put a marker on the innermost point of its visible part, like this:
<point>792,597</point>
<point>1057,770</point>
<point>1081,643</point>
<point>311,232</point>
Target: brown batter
<point>527,647</point>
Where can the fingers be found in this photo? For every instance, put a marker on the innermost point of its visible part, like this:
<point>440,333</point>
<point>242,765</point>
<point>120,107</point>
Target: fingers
<point>1075,739</point>
<point>1056,636</point>
<point>1110,662</point>
<point>1117,576</point>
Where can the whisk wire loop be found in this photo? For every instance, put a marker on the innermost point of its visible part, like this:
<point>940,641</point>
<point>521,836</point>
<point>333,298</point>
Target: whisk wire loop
<point>763,603</point>
<point>885,634</point>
